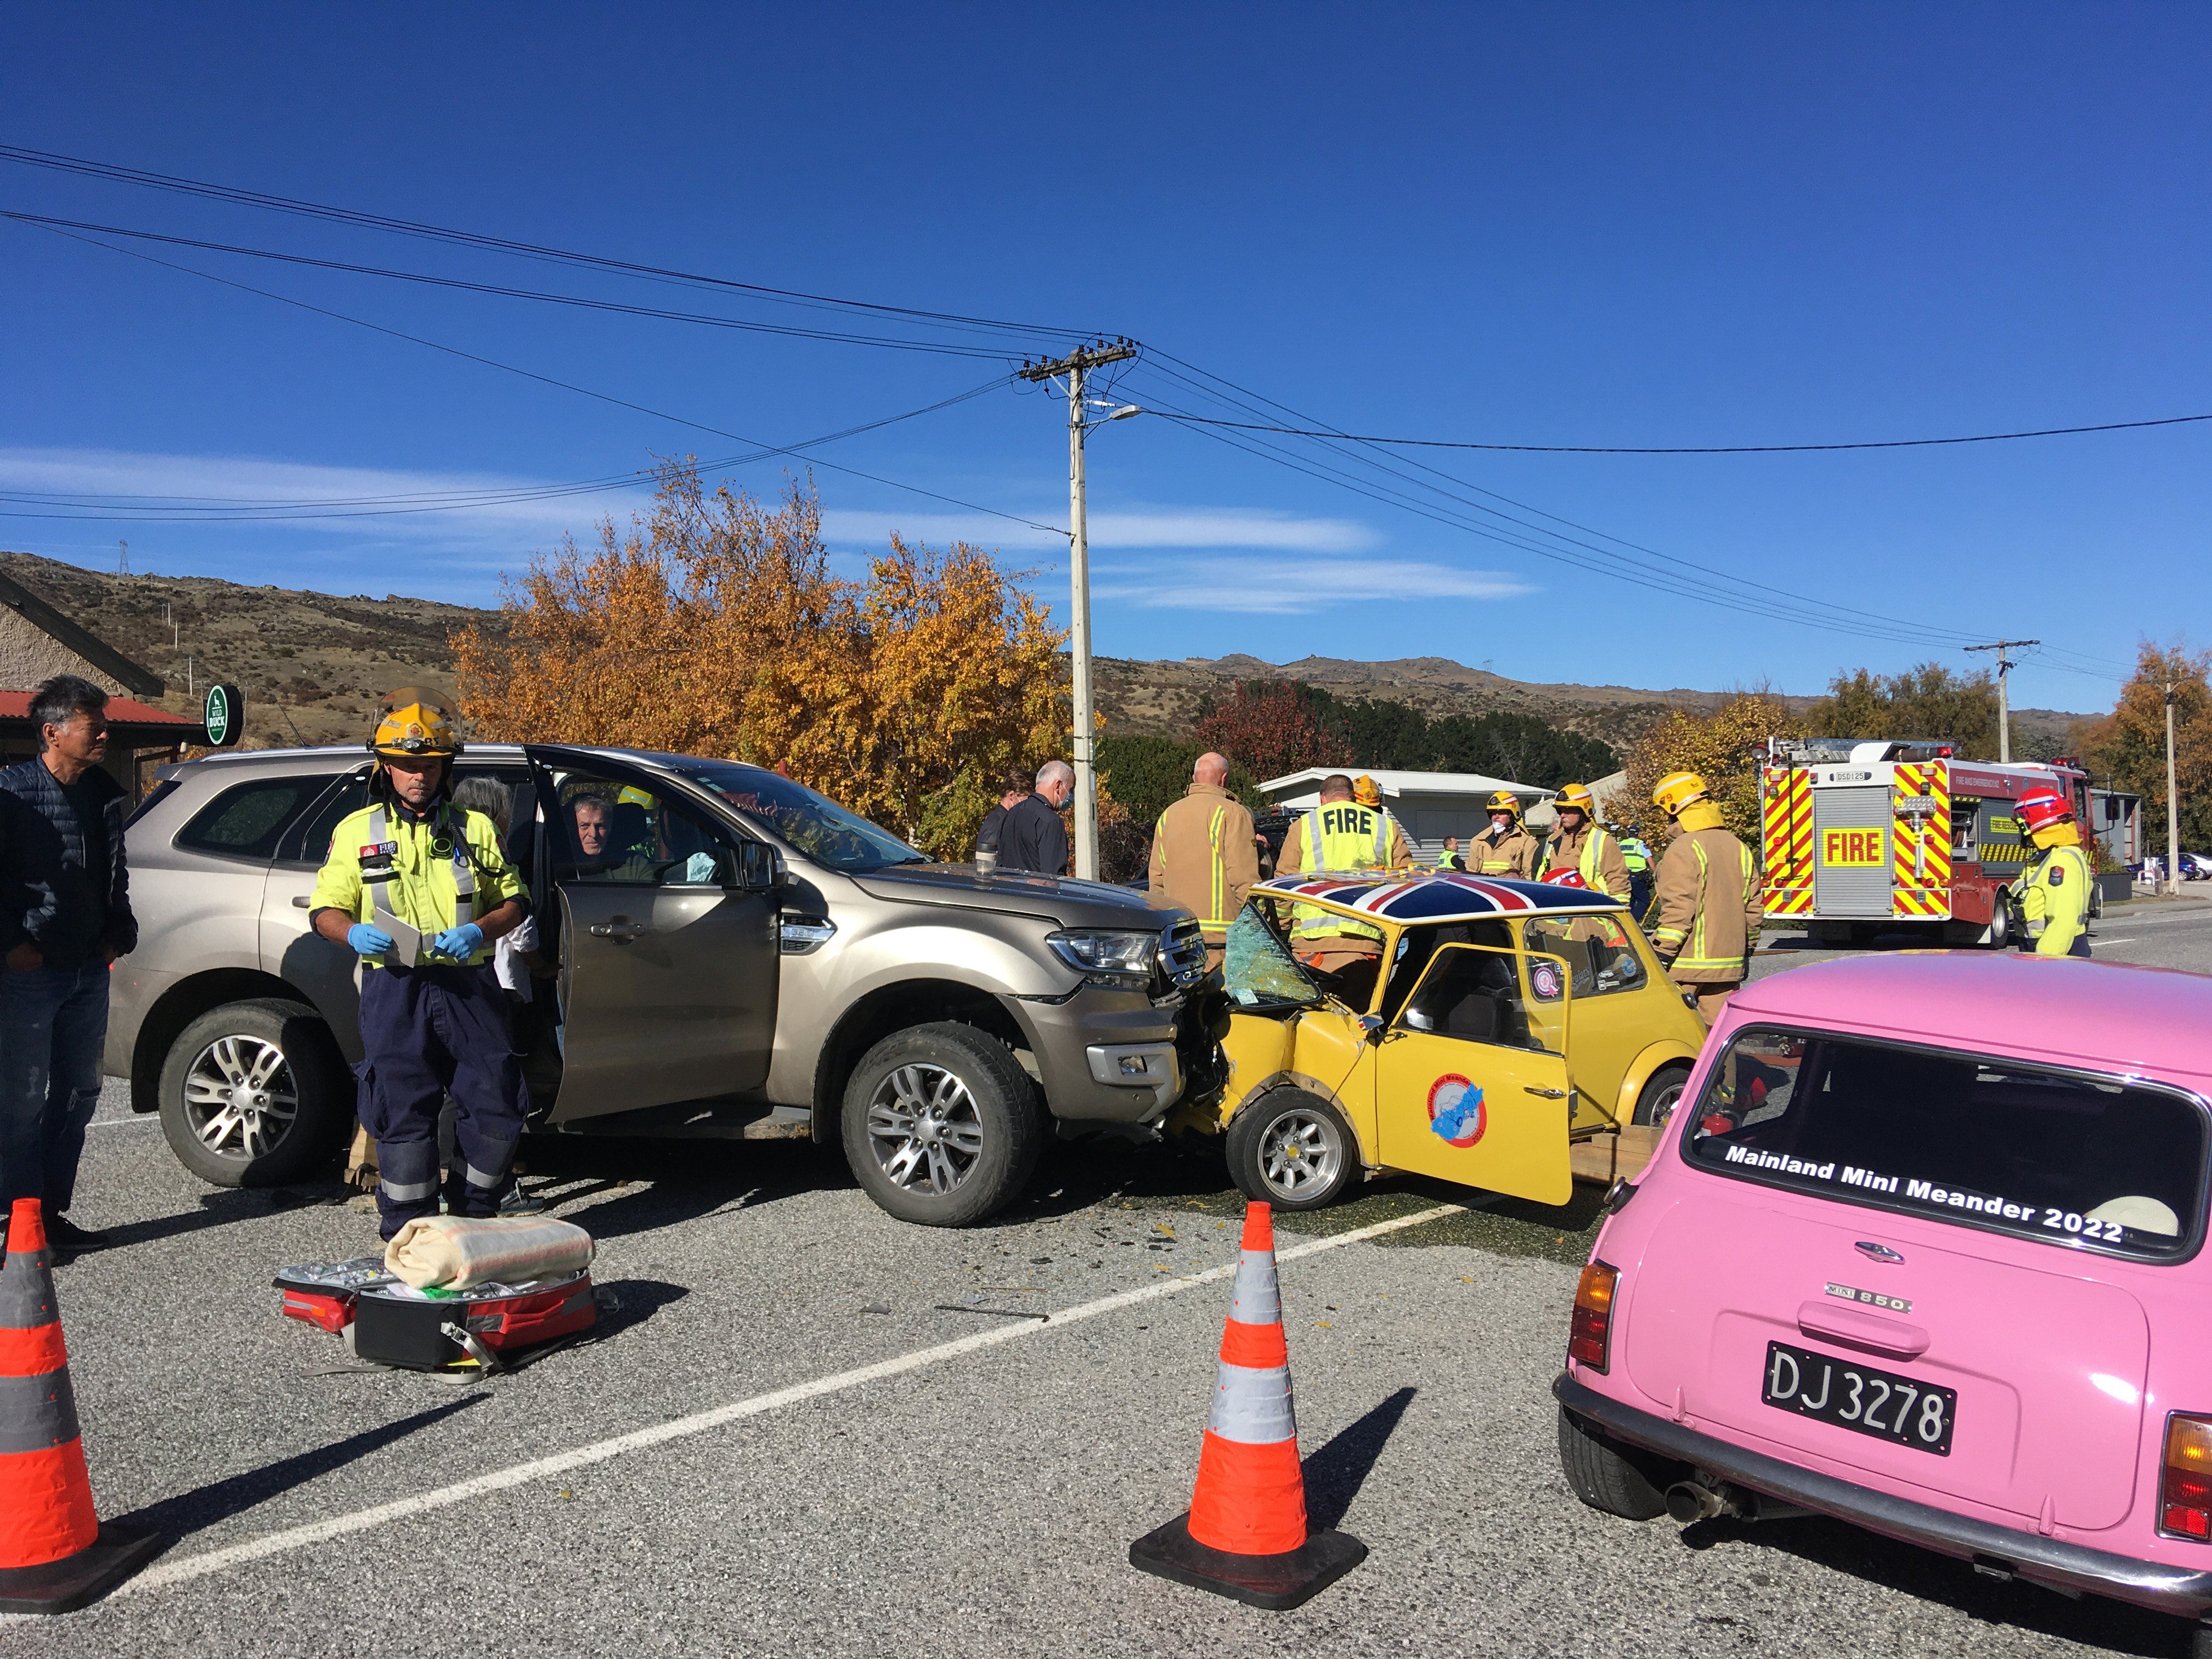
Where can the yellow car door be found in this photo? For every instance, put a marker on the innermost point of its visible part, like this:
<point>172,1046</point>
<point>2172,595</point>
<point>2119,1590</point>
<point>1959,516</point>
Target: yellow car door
<point>1471,1078</point>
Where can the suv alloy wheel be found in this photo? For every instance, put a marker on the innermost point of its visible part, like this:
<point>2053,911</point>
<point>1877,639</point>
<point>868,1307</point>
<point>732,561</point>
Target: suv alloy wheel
<point>941,1125</point>
<point>254,1094</point>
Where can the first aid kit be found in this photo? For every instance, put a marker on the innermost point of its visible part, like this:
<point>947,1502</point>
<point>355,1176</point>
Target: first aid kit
<point>387,1322</point>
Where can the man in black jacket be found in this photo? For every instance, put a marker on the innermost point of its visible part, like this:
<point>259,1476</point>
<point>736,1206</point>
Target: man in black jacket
<point>64,916</point>
<point>1031,837</point>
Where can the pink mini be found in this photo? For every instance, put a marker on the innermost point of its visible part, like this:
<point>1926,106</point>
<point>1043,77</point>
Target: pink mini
<point>1922,1249</point>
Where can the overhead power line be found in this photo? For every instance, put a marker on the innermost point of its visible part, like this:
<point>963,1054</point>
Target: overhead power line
<point>709,320</point>
<point>1699,449</point>
<point>264,199</point>
<point>762,451</point>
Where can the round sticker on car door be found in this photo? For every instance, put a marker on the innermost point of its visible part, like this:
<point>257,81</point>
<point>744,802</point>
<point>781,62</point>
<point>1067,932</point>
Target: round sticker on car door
<point>1544,980</point>
<point>1456,1110</point>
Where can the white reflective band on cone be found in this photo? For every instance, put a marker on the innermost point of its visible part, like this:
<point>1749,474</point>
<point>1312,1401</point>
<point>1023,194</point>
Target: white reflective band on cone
<point>1253,1408</point>
<point>1257,1301</point>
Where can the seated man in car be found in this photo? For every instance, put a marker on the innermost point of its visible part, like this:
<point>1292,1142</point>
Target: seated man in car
<point>591,820</point>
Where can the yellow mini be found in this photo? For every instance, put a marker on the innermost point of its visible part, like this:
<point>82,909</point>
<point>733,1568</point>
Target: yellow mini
<point>1472,1029</point>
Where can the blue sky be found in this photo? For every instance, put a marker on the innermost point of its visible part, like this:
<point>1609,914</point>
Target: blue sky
<point>1566,225</point>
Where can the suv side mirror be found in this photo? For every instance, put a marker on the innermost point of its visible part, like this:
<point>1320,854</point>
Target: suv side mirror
<point>761,868</point>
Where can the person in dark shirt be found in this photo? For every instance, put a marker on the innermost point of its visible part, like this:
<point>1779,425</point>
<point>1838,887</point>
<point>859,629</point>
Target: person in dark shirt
<point>992,831</point>
<point>1031,837</point>
<point>64,916</point>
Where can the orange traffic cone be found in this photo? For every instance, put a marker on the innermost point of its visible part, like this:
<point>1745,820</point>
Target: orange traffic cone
<point>55,1556</point>
<point>1245,1534</point>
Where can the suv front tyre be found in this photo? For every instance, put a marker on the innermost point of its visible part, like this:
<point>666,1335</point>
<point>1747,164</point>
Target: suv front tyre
<point>255,1094</point>
<point>941,1125</point>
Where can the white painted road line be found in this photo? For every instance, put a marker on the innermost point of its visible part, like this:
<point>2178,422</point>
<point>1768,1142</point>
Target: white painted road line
<point>190,1567</point>
<point>123,1122</point>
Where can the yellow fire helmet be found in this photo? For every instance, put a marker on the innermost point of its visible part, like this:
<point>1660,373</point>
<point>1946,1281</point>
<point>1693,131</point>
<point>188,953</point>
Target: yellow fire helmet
<point>1677,790</point>
<point>1504,801</point>
<point>413,724</point>
<point>1366,791</point>
<point>1577,797</point>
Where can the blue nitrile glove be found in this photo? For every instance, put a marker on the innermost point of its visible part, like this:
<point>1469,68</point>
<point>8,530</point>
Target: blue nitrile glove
<point>459,943</point>
<point>367,941</point>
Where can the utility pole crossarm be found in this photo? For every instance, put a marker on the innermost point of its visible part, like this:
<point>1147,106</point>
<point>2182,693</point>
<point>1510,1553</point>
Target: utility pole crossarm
<point>2004,705</point>
<point>1076,365</point>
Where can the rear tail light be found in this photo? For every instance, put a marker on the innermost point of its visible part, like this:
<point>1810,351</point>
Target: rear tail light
<point>2184,1485</point>
<point>1591,1334</point>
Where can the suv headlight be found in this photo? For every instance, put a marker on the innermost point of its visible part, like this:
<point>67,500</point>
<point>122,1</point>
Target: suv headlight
<point>1112,954</point>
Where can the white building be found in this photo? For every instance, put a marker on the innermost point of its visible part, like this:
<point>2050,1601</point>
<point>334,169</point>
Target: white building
<point>1428,805</point>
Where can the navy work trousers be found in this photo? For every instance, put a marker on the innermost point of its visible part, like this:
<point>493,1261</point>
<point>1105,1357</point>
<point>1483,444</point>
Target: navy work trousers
<point>426,1032</point>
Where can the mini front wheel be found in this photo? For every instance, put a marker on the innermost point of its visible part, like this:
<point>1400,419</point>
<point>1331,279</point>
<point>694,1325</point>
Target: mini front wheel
<point>1292,1149</point>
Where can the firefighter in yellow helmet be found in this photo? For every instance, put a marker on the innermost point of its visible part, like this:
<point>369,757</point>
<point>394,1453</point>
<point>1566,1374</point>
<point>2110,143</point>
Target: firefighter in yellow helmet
<point>410,865</point>
<point>2054,890</point>
<point>1582,853</point>
<point>1344,833</point>
<point>1503,847</point>
<point>1709,902</point>
<point>1204,855</point>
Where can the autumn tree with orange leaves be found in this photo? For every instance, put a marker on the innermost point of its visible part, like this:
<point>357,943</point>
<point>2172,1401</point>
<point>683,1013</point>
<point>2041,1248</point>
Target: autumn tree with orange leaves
<point>716,627</point>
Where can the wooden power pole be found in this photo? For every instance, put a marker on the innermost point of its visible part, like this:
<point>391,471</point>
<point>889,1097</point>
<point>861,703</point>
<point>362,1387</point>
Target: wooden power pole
<point>1077,366</point>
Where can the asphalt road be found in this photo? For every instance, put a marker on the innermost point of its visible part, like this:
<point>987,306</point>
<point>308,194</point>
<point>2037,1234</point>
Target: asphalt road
<point>751,1459</point>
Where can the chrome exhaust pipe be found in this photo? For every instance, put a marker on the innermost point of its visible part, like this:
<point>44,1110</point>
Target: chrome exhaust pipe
<point>1690,1500</point>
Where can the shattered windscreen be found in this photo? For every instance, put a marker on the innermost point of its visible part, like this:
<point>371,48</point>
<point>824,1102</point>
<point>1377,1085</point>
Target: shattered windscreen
<point>1258,968</point>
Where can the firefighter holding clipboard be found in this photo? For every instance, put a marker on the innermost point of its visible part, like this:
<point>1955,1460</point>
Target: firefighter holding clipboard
<point>411,867</point>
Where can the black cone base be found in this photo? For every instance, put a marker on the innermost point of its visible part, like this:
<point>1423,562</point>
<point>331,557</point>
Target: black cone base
<point>79,1580</point>
<point>1276,1583</point>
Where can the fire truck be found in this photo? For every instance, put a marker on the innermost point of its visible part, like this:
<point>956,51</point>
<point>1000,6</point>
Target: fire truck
<point>1869,837</point>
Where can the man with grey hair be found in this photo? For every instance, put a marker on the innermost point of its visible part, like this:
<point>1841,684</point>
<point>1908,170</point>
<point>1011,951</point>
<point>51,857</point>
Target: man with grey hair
<point>1031,837</point>
<point>64,916</point>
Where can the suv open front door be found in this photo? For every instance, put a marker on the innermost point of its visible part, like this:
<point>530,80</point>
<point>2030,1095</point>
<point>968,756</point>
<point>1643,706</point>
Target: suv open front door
<point>1471,1081</point>
<point>668,943</point>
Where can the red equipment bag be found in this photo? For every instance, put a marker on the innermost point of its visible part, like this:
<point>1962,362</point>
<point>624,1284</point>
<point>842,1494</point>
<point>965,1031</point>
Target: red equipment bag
<point>322,1293</point>
<point>396,1326</point>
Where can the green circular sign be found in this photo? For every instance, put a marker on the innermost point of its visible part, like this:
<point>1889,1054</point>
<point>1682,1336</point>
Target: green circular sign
<point>225,713</point>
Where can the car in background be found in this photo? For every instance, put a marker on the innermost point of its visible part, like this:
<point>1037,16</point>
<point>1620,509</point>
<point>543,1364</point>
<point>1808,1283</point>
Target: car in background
<point>1502,1024</point>
<point>1922,1250</point>
<point>742,958</point>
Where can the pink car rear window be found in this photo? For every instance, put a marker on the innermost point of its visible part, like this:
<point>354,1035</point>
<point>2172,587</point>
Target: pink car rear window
<point>2067,1158</point>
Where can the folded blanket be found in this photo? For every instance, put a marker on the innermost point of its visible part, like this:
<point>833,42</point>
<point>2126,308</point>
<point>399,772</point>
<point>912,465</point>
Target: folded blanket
<point>454,1253</point>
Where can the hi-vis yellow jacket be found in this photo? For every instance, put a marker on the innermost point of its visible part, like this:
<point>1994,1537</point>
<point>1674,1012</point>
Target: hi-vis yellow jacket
<point>2054,899</point>
<point>1204,858</point>
<point>1340,834</point>
<point>431,871</point>
<point>1709,903</point>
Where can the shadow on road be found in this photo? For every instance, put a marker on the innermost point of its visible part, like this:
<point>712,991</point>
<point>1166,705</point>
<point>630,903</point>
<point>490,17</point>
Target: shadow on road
<point>1336,1472</point>
<point>660,1183</point>
<point>2111,1626</point>
<point>177,1518</point>
<point>219,1208</point>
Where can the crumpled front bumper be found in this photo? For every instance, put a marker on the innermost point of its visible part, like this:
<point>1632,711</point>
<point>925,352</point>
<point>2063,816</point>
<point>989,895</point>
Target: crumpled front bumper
<point>2047,1561</point>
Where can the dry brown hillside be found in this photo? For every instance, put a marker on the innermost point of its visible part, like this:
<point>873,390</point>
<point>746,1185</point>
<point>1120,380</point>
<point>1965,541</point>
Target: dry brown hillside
<point>313,664</point>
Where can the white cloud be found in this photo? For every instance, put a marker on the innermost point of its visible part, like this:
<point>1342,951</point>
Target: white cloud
<point>1186,528</point>
<point>164,484</point>
<point>1296,586</point>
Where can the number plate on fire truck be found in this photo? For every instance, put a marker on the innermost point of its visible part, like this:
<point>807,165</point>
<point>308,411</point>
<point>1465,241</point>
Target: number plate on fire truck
<point>1861,1399</point>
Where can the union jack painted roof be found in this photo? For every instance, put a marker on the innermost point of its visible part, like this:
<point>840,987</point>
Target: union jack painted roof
<point>1426,896</point>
